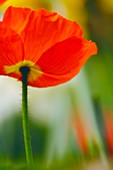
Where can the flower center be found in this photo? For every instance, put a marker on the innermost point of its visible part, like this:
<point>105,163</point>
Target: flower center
<point>25,66</point>
<point>24,69</point>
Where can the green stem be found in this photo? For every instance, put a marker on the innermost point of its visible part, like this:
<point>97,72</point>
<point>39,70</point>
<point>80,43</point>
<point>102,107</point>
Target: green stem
<point>25,122</point>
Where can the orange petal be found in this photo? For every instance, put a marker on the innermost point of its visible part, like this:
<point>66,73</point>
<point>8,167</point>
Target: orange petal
<point>63,61</point>
<point>46,80</point>
<point>11,47</point>
<point>65,57</point>
<point>16,18</point>
<point>40,29</point>
<point>62,57</point>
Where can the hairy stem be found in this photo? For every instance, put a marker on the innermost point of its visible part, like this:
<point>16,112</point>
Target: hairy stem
<point>25,122</point>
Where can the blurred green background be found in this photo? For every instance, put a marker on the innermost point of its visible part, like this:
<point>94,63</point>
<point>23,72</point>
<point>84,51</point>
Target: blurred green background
<point>72,124</point>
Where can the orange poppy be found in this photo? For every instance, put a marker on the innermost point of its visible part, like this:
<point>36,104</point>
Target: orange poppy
<point>2,1</point>
<point>50,45</point>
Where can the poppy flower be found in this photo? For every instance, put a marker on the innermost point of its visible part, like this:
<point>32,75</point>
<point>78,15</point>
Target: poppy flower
<point>2,1</point>
<point>51,46</point>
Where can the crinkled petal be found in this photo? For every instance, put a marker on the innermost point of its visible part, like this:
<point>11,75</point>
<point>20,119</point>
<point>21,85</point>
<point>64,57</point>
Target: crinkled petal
<point>11,48</point>
<point>16,18</point>
<point>63,61</point>
<point>65,57</point>
<point>47,80</point>
<point>40,29</point>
